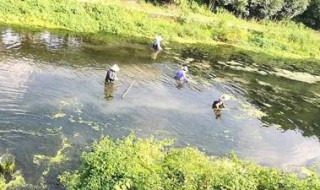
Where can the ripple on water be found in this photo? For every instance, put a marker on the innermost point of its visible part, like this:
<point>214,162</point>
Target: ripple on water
<point>60,88</point>
<point>15,77</point>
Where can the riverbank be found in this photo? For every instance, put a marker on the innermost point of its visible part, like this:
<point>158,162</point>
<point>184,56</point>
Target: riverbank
<point>284,44</point>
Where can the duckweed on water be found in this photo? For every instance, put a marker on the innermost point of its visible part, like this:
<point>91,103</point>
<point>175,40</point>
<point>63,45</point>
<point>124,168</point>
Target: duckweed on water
<point>73,105</point>
<point>293,75</point>
<point>16,182</point>
<point>298,76</point>
<point>59,157</point>
<point>58,115</point>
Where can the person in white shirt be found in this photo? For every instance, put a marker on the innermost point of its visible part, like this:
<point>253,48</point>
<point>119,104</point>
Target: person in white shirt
<point>156,46</point>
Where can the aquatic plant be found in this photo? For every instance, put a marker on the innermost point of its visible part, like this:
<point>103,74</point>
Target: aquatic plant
<point>17,181</point>
<point>133,163</point>
<point>7,163</point>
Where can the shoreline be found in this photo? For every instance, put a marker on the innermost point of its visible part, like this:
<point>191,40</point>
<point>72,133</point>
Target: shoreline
<point>215,52</point>
<point>224,37</point>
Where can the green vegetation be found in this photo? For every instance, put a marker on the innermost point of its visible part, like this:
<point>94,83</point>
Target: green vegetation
<point>282,41</point>
<point>7,163</point>
<point>17,182</point>
<point>311,16</point>
<point>133,163</point>
<point>306,11</point>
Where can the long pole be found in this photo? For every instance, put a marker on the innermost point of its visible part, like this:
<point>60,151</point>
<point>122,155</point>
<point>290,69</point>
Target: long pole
<point>128,89</point>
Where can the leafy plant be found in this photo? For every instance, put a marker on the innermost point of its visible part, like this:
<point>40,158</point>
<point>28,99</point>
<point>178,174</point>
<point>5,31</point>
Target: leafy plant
<point>133,163</point>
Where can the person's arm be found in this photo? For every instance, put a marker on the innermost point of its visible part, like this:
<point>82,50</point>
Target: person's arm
<point>222,105</point>
<point>115,76</point>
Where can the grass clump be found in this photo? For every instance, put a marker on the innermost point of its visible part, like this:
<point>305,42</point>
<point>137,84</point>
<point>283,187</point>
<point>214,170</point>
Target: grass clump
<point>132,163</point>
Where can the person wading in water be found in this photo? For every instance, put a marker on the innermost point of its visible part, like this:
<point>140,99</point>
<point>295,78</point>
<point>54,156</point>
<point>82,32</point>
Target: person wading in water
<point>217,105</point>
<point>181,76</point>
<point>111,76</point>
<point>156,47</point>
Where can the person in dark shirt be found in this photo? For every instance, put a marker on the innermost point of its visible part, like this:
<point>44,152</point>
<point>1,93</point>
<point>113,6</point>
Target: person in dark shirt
<point>217,105</point>
<point>112,74</point>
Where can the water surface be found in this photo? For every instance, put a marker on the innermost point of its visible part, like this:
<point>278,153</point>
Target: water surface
<point>52,91</point>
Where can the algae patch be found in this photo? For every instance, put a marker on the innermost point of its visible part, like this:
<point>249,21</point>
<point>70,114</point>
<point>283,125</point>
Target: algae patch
<point>293,75</point>
<point>252,111</point>
<point>59,157</point>
<point>72,108</point>
<point>298,76</point>
<point>16,182</point>
<point>58,115</point>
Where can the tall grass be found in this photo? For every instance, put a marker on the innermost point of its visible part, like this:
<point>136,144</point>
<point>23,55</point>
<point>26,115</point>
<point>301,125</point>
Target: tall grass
<point>186,23</point>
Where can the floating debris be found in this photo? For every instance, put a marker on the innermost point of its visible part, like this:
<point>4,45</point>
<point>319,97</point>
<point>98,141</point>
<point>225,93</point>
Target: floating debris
<point>58,115</point>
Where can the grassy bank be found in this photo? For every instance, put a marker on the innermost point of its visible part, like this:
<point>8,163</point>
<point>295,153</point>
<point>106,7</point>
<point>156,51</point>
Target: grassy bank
<point>188,23</point>
<point>133,163</point>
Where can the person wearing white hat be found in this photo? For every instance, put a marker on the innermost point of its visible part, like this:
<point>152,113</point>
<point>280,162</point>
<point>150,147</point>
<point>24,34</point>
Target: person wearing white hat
<point>112,73</point>
<point>218,104</point>
<point>181,75</point>
<point>156,43</point>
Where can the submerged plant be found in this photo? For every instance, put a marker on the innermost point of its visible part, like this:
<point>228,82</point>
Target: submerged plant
<point>7,163</point>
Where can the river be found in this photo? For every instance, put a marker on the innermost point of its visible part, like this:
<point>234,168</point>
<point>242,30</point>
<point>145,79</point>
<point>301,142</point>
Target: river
<point>54,104</point>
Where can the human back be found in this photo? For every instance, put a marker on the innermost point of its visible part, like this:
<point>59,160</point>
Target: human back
<point>112,74</point>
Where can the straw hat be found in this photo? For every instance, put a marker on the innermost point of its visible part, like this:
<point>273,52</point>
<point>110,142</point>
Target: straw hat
<point>115,68</point>
<point>225,97</point>
<point>159,38</point>
<point>185,68</point>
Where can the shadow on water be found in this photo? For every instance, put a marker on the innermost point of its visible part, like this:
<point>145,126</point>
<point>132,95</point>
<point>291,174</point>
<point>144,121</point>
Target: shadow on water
<point>54,103</point>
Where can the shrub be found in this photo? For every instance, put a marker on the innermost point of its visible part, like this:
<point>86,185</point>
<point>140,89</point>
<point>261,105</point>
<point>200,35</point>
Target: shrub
<point>133,163</point>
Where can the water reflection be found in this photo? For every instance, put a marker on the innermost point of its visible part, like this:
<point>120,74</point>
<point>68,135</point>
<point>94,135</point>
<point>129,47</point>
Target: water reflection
<point>109,89</point>
<point>10,39</point>
<point>217,113</point>
<point>179,84</point>
<point>154,54</point>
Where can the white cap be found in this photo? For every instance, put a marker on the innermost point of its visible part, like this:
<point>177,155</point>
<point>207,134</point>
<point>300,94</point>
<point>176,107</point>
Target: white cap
<point>185,68</point>
<point>158,38</point>
<point>225,97</point>
<point>115,68</point>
